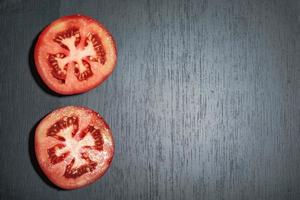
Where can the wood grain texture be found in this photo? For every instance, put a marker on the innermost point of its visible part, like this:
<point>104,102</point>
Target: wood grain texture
<point>204,102</point>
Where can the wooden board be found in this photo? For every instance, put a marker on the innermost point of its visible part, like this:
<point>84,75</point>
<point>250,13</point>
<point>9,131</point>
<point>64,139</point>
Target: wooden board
<point>204,102</point>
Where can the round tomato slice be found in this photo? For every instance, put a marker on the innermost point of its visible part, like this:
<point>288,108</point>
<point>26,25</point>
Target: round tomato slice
<point>75,54</point>
<point>74,146</point>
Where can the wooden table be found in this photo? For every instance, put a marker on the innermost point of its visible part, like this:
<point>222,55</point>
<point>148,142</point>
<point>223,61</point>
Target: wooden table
<point>204,102</point>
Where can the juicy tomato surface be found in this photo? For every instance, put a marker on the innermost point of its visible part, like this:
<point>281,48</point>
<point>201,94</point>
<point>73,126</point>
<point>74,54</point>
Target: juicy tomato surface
<point>75,54</point>
<point>74,146</point>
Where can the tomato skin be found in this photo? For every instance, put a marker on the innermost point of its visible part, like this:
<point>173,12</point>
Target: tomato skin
<point>73,89</point>
<point>54,175</point>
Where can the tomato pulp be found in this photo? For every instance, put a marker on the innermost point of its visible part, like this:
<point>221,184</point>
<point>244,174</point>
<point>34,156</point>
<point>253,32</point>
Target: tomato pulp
<point>75,54</point>
<point>74,146</point>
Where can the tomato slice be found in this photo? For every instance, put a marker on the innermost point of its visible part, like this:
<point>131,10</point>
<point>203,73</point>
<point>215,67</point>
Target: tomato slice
<point>75,54</point>
<point>74,146</point>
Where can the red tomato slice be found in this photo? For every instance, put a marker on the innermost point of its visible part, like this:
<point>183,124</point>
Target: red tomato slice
<point>75,54</point>
<point>74,146</point>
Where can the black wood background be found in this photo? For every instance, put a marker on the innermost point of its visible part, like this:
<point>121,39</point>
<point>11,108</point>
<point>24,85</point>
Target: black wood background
<point>204,102</point>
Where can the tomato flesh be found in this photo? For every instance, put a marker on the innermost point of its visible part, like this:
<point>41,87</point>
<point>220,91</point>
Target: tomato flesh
<point>75,54</point>
<point>74,146</point>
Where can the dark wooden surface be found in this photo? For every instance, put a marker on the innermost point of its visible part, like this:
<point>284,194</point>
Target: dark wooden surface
<point>204,102</point>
